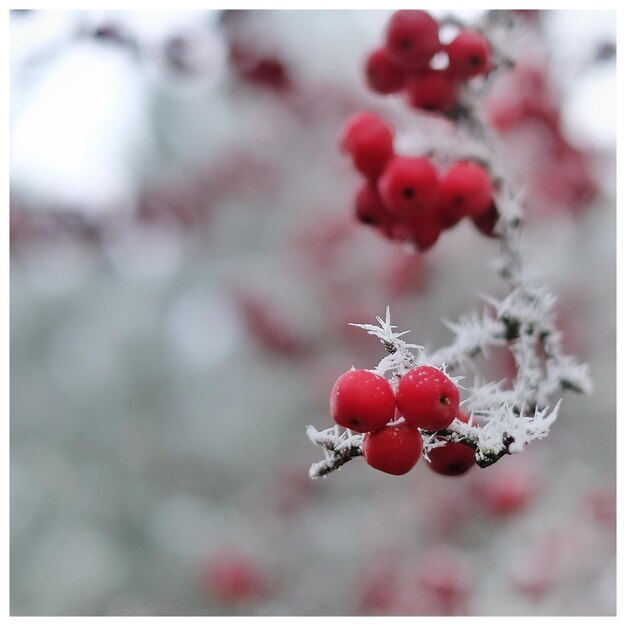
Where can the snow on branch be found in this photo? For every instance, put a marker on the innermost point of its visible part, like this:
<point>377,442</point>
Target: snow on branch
<point>339,448</point>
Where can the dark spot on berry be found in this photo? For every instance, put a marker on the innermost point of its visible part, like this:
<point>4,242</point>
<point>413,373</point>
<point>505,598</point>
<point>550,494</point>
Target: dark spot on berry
<point>354,421</point>
<point>408,193</point>
<point>444,400</point>
<point>429,106</point>
<point>405,44</point>
<point>458,201</point>
<point>474,60</point>
<point>369,220</point>
<point>455,468</point>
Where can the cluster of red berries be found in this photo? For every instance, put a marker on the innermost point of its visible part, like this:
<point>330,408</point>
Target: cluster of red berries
<point>406,198</point>
<point>425,398</point>
<point>404,63</point>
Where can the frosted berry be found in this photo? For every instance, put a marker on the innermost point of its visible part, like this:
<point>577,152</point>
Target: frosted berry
<point>383,75</point>
<point>233,578</point>
<point>444,577</point>
<point>369,207</point>
<point>423,231</point>
<point>427,398</point>
<point>362,401</point>
<point>452,459</point>
<point>466,189</point>
<point>370,143</point>
<point>447,219</point>
<point>412,39</point>
<point>395,449</point>
<point>469,54</point>
<point>507,488</point>
<point>486,222</point>
<point>432,90</point>
<point>409,187</point>
<point>265,71</point>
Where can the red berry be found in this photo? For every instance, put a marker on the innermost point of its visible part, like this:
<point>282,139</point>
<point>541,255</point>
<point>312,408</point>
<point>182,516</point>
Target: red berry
<point>412,39</point>
<point>433,90</point>
<point>369,208</point>
<point>383,75</point>
<point>258,69</point>
<point>469,54</point>
<point>232,578</point>
<point>486,222</point>
<point>395,449</point>
<point>466,189</point>
<point>378,585</point>
<point>507,488</point>
<point>448,220</point>
<point>463,416</point>
<point>452,459</point>
<point>445,578</point>
<point>427,398</point>
<point>423,231</point>
<point>370,143</point>
<point>362,401</point>
<point>409,187</point>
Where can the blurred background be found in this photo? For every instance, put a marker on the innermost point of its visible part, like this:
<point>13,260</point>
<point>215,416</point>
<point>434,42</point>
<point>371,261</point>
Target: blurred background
<point>184,264</point>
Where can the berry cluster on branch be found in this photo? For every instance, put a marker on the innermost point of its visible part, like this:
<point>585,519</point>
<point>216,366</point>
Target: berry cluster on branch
<point>406,198</point>
<point>409,405</point>
<point>408,62</point>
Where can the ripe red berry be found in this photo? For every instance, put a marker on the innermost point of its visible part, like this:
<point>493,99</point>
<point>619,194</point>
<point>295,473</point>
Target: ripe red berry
<point>445,579</point>
<point>507,488</point>
<point>409,187</point>
<point>447,220</point>
<point>395,449</point>
<point>452,459</point>
<point>427,398</point>
<point>486,222</point>
<point>463,416</point>
<point>382,73</point>
<point>412,39</point>
<point>466,189</point>
<point>258,69</point>
<point>469,54</point>
<point>432,90</point>
<point>233,577</point>
<point>370,143</point>
<point>362,401</point>
<point>369,207</point>
<point>423,231</point>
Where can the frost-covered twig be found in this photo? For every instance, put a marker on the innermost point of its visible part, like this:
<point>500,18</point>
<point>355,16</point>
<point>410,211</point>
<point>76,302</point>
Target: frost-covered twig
<point>339,448</point>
